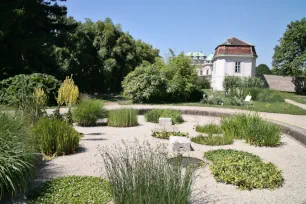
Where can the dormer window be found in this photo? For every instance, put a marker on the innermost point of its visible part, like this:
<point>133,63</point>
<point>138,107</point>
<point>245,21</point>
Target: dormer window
<point>237,67</point>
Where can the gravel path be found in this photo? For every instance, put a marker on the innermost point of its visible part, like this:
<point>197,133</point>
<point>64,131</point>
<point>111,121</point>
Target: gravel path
<point>289,157</point>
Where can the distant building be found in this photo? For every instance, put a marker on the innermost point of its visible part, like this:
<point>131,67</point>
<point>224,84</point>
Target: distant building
<point>232,58</point>
<point>202,62</point>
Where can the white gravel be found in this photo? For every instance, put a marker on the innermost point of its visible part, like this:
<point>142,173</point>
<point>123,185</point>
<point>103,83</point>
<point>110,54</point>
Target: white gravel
<point>289,157</point>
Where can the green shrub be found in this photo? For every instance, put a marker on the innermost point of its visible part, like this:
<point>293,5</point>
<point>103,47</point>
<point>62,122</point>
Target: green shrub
<point>210,129</point>
<point>251,128</point>
<point>16,158</point>
<point>55,136</point>
<point>214,99</point>
<point>14,89</point>
<point>212,140</point>
<point>72,189</point>
<point>231,82</point>
<point>254,92</point>
<point>202,83</point>
<point>235,101</point>
<point>165,135</point>
<point>269,96</point>
<point>138,173</point>
<point>243,169</point>
<point>122,118</point>
<point>87,112</point>
<point>154,115</point>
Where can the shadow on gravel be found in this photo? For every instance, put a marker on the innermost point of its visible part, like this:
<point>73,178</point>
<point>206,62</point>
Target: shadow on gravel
<point>94,139</point>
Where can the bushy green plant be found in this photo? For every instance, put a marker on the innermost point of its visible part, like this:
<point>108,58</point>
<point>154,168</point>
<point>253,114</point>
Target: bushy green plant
<point>72,189</point>
<point>126,117</point>
<point>253,92</point>
<point>165,134</point>
<point>214,99</point>
<point>269,96</point>
<point>213,140</point>
<point>235,101</point>
<point>154,115</point>
<point>87,112</point>
<point>231,82</point>
<point>252,128</point>
<point>15,89</point>
<point>210,129</point>
<point>54,136</point>
<point>16,158</point>
<point>139,173</point>
<point>203,83</point>
<point>243,169</point>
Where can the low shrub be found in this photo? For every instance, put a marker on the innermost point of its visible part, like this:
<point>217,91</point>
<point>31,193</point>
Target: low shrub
<point>210,129</point>
<point>138,173</point>
<point>72,189</point>
<point>166,135</point>
<point>55,136</point>
<point>16,158</point>
<point>154,115</point>
<point>252,128</point>
<point>254,92</point>
<point>214,99</point>
<point>122,118</point>
<point>87,112</point>
<point>212,140</point>
<point>243,169</point>
<point>264,95</point>
<point>235,101</point>
<point>231,82</point>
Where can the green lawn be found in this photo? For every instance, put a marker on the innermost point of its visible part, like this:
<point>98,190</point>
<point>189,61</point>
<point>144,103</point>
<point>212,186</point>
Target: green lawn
<point>276,107</point>
<point>293,96</point>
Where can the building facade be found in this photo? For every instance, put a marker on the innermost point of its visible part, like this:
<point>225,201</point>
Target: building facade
<point>232,58</point>
<point>202,63</point>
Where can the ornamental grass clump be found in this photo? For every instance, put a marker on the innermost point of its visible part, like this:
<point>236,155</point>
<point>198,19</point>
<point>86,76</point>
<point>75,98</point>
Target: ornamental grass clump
<point>72,189</point>
<point>139,173</point>
<point>213,140</point>
<point>53,136</point>
<point>16,158</point>
<point>125,117</point>
<point>243,169</point>
<point>87,112</point>
<point>154,115</point>
<point>165,134</point>
<point>209,129</point>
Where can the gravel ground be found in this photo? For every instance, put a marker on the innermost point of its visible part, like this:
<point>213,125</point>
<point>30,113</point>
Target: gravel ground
<point>289,157</point>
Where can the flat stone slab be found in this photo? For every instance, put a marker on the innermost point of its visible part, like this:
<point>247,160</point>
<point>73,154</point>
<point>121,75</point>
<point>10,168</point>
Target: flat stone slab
<point>179,144</point>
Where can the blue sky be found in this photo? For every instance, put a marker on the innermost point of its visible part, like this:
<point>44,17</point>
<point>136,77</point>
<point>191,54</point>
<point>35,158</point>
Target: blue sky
<point>197,25</point>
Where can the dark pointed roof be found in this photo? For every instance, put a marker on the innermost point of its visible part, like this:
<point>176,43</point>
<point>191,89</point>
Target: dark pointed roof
<point>235,41</point>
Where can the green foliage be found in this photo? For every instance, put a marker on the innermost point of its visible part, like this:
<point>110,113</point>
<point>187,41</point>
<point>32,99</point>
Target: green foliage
<point>215,99</point>
<point>53,136</point>
<point>126,117</point>
<point>243,169</point>
<point>232,82</point>
<point>141,174</point>
<point>145,84</point>
<point>212,140</point>
<point>165,135</point>
<point>202,83</point>
<point>160,82</point>
<point>235,101</point>
<point>290,54</point>
<point>16,159</point>
<point>252,128</point>
<point>72,189</point>
<point>209,129</point>
<point>264,95</point>
<point>154,115</point>
<point>262,69</point>
<point>15,91</point>
<point>87,112</point>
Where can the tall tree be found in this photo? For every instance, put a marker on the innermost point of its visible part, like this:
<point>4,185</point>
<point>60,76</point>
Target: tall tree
<point>28,31</point>
<point>262,69</point>
<point>290,55</point>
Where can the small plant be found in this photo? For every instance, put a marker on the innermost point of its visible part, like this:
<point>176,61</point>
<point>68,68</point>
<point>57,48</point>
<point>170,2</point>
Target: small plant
<point>87,112</point>
<point>16,158</point>
<point>243,169</point>
<point>72,189</point>
<point>165,135</point>
<point>138,173</point>
<point>212,140</point>
<point>154,115</point>
<point>54,136</point>
<point>209,129</point>
<point>122,118</point>
<point>68,95</point>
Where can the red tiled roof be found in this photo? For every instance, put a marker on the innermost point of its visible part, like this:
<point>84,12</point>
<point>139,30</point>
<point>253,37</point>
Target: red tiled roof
<point>234,46</point>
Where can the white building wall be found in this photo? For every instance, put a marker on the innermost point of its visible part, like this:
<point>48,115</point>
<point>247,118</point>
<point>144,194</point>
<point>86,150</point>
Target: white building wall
<point>225,66</point>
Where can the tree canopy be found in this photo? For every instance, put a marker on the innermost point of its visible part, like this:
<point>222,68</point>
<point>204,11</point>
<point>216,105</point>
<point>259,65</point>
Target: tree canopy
<point>262,69</point>
<point>290,55</point>
<point>98,54</point>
